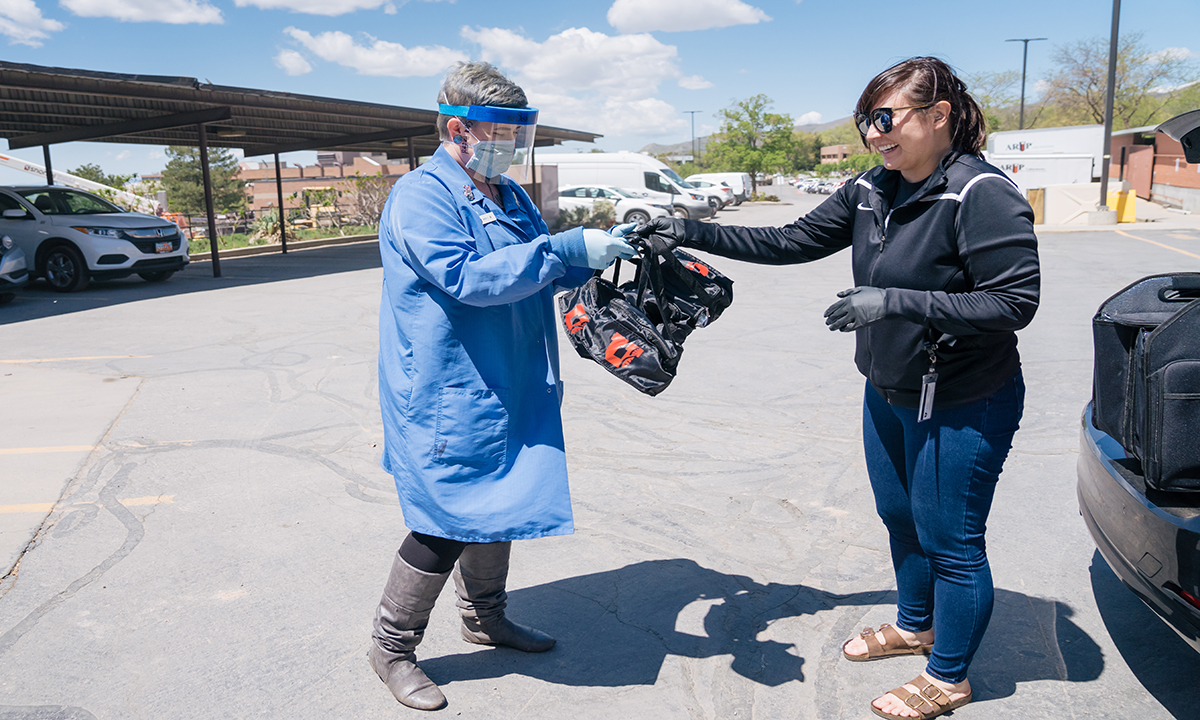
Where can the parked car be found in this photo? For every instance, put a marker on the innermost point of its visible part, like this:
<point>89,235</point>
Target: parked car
<point>13,273</point>
<point>630,170</point>
<point>71,237</point>
<point>630,206</point>
<point>719,194</point>
<point>738,182</point>
<point>1150,538</point>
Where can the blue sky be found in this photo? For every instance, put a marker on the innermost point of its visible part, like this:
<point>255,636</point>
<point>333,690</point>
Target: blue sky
<point>624,68</point>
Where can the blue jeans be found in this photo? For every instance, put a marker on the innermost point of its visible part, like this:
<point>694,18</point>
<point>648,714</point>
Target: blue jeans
<point>933,484</point>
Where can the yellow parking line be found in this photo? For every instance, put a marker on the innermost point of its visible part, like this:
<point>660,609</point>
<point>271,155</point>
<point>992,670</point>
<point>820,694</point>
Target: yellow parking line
<point>94,357</point>
<point>1161,245</point>
<point>60,448</point>
<point>47,507</point>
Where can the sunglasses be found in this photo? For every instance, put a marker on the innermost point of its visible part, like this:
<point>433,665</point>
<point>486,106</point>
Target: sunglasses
<point>881,118</point>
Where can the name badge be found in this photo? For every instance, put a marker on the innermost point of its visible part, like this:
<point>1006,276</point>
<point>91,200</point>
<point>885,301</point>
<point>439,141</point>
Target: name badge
<point>488,217</point>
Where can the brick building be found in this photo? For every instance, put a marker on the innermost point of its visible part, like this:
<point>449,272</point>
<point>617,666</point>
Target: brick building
<point>336,172</point>
<point>835,153</point>
<point>1155,168</point>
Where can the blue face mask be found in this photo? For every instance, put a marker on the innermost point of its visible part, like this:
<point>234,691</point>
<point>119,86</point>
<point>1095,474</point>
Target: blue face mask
<point>490,158</point>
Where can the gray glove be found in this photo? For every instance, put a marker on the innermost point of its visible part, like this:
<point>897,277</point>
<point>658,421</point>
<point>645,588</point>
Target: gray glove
<point>858,308</point>
<point>672,231</point>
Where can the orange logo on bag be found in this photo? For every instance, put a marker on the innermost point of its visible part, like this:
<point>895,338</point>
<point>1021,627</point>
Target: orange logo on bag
<point>697,268</point>
<point>576,318</point>
<point>620,351</point>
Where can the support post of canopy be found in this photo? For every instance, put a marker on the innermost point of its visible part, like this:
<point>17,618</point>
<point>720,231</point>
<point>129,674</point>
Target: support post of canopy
<point>208,202</point>
<point>49,170</point>
<point>282,214</point>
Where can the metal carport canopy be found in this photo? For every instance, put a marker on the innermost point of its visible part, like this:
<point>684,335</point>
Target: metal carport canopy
<point>46,106</point>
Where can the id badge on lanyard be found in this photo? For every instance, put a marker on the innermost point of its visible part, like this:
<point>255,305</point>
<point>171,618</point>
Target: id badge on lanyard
<point>928,385</point>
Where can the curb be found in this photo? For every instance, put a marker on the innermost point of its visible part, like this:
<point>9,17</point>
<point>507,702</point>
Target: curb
<point>1147,225</point>
<point>277,248</point>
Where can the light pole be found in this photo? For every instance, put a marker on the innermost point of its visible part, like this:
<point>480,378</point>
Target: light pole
<point>1024,63</point>
<point>693,114</point>
<point>1109,95</point>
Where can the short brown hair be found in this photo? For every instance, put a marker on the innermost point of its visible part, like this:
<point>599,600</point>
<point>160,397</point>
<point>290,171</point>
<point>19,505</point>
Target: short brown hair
<point>477,83</point>
<point>928,80</point>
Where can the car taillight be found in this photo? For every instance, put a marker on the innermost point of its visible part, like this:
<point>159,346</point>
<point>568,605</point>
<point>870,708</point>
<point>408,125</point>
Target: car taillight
<point>1186,596</point>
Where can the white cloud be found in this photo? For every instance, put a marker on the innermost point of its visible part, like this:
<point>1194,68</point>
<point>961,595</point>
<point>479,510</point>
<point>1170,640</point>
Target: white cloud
<point>379,57</point>
<point>630,16</point>
<point>175,12</point>
<point>1171,53</point>
<point>22,22</point>
<point>328,7</point>
<point>292,63</point>
<point>589,80</point>
<point>809,118</point>
<point>313,7</point>
<point>694,82</point>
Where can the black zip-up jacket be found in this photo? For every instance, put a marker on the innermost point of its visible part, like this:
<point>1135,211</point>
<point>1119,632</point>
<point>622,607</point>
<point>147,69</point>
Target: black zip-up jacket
<point>958,262</point>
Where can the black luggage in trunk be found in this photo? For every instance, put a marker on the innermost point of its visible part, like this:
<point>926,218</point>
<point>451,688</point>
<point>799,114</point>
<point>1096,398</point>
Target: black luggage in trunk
<point>1146,381</point>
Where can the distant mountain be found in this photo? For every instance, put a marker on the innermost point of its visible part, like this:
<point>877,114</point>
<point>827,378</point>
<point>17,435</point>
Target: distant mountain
<point>685,147</point>
<point>818,127</point>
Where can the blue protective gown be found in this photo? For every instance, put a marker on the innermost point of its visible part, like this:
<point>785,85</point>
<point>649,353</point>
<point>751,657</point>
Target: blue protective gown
<point>468,359</point>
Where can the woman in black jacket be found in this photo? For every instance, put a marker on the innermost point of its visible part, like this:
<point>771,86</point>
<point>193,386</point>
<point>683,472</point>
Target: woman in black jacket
<point>945,272</point>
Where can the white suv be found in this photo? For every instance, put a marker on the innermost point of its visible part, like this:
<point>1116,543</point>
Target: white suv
<point>71,237</point>
<point>630,206</point>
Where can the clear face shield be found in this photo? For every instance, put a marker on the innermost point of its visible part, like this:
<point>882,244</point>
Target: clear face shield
<point>503,139</point>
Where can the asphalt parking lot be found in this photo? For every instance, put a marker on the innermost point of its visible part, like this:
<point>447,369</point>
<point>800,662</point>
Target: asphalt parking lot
<point>193,523</point>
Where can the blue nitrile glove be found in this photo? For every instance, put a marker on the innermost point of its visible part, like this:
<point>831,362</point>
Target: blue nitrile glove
<point>603,249</point>
<point>858,308</point>
<point>621,230</point>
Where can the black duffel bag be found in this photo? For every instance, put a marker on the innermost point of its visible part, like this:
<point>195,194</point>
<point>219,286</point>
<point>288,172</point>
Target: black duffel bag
<point>636,330</point>
<point>1146,377</point>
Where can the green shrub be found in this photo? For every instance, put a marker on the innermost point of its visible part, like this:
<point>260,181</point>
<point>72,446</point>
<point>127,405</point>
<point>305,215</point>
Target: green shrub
<point>601,216</point>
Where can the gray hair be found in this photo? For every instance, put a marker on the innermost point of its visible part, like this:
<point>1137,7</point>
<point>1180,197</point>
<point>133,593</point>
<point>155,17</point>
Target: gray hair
<point>476,83</point>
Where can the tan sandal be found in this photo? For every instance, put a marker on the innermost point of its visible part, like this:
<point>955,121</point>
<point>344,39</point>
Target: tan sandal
<point>892,646</point>
<point>928,702</point>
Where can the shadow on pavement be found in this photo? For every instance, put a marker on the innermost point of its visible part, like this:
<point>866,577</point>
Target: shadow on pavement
<point>1161,661</point>
<point>37,300</point>
<point>616,628</point>
<point>1029,639</point>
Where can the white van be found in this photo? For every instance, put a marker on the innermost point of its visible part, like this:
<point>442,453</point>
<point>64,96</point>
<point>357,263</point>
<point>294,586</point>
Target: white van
<point>738,182</point>
<point>630,171</point>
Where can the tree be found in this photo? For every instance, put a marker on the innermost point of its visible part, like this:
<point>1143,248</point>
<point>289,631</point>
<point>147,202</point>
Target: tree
<point>999,96</point>
<point>805,153</point>
<point>367,197</point>
<point>91,171</point>
<point>1146,82</point>
<point>183,180</point>
<point>844,134</point>
<point>751,140</point>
